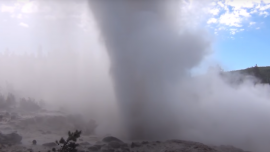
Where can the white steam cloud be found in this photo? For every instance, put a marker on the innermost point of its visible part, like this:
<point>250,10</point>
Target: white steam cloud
<point>151,48</point>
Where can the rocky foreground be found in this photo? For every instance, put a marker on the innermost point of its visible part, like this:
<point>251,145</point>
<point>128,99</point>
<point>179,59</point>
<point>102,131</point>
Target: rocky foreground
<point>112,144</point>
<point>18,130</point>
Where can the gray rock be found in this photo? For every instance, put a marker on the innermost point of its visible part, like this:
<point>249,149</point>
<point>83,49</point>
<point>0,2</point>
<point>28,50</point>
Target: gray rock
<point>107,150</point>
<point>228,148</point>
<point>85,144</point>
<point>95,147</point>
<point>34,142</point>
<point>145,142</point>
<point>135,144</point>
<point>51,144</point>
<point>124,145</point>
<point>115,144</point>
<point>110,139</point>
<point>125,149</point>
<point>30,150</point>
<point>10,139</point>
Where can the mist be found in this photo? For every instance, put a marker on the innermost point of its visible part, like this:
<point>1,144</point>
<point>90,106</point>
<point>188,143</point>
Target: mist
<point>57,59</point>
<point>127,65</point>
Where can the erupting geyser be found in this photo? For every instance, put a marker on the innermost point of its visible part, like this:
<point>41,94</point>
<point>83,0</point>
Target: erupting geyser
<point>149,52</point>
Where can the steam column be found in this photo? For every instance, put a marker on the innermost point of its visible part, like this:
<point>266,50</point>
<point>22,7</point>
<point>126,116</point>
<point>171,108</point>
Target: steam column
<point>119,21</point>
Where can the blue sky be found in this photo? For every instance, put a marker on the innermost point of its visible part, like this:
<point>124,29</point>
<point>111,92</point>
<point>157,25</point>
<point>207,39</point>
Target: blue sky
<point>246,49</point>
<point>242,32</point>
<point>241,28</point>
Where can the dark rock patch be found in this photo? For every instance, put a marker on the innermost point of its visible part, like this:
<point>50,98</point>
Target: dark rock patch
<point>115,144</point>
<point>95,148</point>
<point>145,142</point>
<point>51,144</point>
<point>34,142</point>
<point>110,139</point>
<point>10,139</point>
<point>108,150</point>
<point>125,149</point>
<point>227,148</point>
<point>85,144</point>
<point>135,144</point>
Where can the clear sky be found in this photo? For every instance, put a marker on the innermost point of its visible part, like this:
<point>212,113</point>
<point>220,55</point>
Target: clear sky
<point>241,29</point>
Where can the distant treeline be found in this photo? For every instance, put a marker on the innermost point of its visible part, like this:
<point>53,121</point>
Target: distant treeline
<point>10,102</point>
<point>261,73</point>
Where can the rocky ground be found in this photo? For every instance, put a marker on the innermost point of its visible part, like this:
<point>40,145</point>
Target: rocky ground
<point>112,144</point>
<point>19,130</point>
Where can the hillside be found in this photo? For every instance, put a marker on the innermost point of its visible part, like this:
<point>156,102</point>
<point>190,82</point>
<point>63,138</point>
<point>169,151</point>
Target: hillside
<point>263,73</point>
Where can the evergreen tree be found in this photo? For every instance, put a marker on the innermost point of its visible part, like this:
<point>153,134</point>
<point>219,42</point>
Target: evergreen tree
<point>257,73</point>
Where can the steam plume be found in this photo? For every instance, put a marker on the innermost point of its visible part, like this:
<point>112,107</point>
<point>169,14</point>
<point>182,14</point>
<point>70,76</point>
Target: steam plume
<point>148,55</point>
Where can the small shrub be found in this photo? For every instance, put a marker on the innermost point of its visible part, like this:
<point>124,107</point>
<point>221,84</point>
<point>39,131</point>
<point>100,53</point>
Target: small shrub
<point>68,145</point>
